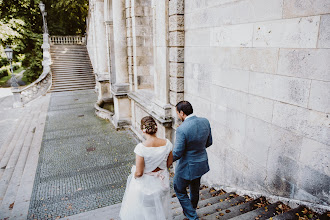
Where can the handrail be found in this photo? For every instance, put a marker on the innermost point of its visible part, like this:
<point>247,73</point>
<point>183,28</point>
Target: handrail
<point>80,40</point>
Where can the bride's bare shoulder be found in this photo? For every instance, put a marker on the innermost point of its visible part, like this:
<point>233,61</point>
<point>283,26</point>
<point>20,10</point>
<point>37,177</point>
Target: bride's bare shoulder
<point>159,142</point>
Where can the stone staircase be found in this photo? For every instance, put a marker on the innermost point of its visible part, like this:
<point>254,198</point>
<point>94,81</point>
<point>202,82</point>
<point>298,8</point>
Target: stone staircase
<point>218,204</point>
<point>18,160</point>
<point>71,68</point>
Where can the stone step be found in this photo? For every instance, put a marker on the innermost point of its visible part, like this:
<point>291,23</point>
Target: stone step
<point>73,79</point>
<point>228,206</point>
<point>11,146</point>
<point>52,48</point>
<point>10,167</point>
<point>292,214</point>
<point>61,51</point>
<point>15,180</point>
<point>69,56</point>
<point>9,139</point>
<point>67,53</point>
<point>211,208</point>
<point>72,58</point>
<point>68,50</point>
<point>68,72</point>
<point>71,89</point>
<point>262,213</point>
<point>71,65</point>
<point>71,85</point>
<point>71,53</point>
<point>72,68</point>
<point>23,196</point>
<point>73,73</point>
<point>83,60</point>
<point>324,216</point>
<point>237,210</point>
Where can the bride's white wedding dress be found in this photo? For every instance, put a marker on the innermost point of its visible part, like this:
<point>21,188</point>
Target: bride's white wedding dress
<point>148,197</point>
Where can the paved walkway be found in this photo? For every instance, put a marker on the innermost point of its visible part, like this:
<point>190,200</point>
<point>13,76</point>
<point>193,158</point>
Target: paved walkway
<point>83,163</point>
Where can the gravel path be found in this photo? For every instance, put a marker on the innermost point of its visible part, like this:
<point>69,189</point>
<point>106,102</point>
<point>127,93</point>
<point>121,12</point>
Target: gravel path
<point>84,162</point>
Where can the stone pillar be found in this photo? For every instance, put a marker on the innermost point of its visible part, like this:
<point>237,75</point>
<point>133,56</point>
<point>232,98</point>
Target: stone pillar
<point>17,97</point>
<point>121,87</point>
<point>109,37</point>
<point>119,28</point>
<point>102,74</point>
<point>161,58</point>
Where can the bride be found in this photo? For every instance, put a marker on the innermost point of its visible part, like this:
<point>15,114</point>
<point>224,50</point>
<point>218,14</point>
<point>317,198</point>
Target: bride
<point>147,195</point>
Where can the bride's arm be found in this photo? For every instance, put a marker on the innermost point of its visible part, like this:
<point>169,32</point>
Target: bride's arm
<point>139,163</point>
<point>170,159</point>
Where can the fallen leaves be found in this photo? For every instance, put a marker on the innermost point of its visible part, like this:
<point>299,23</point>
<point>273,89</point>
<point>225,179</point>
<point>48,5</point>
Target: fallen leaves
<point>11,206</point>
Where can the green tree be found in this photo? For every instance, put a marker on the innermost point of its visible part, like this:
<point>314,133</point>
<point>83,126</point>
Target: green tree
<point>66,17</point>
<point>21,27</point>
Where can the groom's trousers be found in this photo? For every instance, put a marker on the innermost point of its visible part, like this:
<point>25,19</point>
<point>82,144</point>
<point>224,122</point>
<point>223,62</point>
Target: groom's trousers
<point>188,205</point>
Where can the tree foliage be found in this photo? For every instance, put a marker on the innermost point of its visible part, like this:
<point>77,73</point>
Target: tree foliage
<point>66,17</point>
<point>21,27</point>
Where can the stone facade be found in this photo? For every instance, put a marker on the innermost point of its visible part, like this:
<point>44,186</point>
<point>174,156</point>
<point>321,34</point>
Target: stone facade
<point>259,72</point>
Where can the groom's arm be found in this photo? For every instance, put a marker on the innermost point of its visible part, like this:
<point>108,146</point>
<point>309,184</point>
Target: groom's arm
<point>209,139</point>
<point>180,143</point>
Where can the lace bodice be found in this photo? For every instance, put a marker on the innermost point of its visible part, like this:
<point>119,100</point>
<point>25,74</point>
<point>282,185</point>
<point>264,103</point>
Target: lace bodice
<point>154,156</point>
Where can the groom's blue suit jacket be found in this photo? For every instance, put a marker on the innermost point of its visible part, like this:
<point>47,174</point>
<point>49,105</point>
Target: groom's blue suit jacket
<point>193,136</point>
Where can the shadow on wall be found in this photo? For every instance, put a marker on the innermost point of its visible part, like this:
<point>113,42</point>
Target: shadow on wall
<point>300,182</point>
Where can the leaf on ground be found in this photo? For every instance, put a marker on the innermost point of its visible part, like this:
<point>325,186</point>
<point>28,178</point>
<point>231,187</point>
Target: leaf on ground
<point>11,206</point>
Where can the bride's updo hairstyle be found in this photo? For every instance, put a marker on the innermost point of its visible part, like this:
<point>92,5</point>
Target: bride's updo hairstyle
<point>148,125</point>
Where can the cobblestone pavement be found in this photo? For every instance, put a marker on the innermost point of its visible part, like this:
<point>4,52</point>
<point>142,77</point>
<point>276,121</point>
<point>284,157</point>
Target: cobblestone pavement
<point>83,163</point>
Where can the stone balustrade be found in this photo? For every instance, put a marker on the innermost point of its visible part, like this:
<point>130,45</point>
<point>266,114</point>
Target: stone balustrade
<point>68,40</point>
<point>41,85</point>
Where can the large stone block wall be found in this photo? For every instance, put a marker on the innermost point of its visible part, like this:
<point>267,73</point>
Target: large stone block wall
<point>261,74</point>
<point>139,26</point>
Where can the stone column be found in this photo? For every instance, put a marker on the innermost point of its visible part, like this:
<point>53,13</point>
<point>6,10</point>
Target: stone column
<point>161,59</point>
<point>121,87</point>
<point>110,51</point>
<point>119,28</point>
<point>102,74</point>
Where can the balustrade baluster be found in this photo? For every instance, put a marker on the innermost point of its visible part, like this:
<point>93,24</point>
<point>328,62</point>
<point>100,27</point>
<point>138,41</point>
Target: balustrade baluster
<point>67,40</point>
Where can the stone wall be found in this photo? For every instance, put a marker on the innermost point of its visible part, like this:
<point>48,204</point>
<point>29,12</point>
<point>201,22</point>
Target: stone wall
<point>261,74</point>
<point>140,43</point>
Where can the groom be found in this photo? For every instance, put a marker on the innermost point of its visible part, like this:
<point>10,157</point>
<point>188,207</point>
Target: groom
<point>193,136</point>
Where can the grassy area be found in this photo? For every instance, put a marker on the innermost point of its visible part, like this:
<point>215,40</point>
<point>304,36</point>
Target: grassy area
<point>18,70</point>
<point>4,79</point>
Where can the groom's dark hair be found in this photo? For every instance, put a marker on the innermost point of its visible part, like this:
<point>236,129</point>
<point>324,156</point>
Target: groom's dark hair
<point>185,106</point>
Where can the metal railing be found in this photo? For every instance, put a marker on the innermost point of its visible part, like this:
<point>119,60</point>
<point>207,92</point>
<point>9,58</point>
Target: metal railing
<point>80,40</point>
